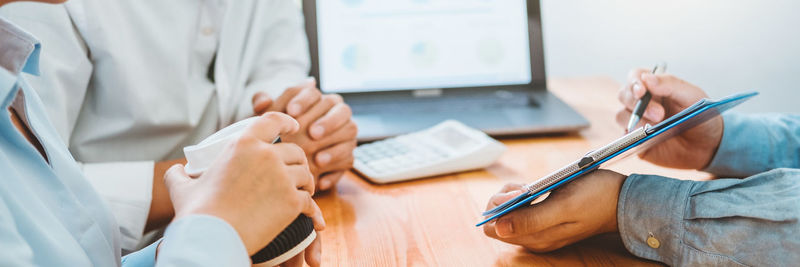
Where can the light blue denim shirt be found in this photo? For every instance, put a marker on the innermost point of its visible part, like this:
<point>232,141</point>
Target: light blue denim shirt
<point>753,221</point>
<point>51,216</point>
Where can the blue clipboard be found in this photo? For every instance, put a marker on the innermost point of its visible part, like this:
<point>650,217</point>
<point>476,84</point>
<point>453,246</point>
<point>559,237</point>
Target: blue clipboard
<point>631,143</point>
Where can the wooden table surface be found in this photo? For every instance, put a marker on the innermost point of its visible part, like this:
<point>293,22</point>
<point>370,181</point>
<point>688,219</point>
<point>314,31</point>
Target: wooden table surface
<point>430,222</point>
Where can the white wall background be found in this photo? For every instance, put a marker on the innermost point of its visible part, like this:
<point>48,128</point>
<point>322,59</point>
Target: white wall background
<point>723,46</point>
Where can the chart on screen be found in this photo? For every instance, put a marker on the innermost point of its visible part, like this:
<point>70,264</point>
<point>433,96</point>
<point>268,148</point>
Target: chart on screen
<point>368,45</point>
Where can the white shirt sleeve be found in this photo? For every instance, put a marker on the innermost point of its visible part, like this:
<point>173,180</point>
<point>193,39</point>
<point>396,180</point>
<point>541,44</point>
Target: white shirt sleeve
<point>202,240</point>
<point>127,187</point>
<point>284,60</point>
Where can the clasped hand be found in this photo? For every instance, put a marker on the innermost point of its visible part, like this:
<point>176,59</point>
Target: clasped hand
<point>327,132</point>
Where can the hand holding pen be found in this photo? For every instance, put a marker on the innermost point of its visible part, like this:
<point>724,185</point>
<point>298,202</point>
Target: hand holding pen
<point>644,100</point>
<point>669,95</point>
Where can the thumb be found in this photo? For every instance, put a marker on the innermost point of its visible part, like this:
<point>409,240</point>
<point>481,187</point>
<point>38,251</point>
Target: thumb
<point>175,176</point>
<point>272,125</point>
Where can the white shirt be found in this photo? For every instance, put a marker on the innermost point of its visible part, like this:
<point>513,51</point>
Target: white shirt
<point>50,215</point>
<point>125,82</point>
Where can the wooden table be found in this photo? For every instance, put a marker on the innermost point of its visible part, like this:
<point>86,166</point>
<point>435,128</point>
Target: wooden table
<point>430,222</point>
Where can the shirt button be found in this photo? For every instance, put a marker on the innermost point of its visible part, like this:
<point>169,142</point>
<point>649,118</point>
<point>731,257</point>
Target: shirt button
<point>208,30</point>
<point>653,242</point>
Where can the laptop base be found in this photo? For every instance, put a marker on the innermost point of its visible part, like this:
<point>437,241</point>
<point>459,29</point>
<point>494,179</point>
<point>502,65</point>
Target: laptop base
<point>523,112</point>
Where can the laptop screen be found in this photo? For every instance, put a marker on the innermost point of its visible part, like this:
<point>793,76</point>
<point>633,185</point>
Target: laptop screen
<point>380,45</point>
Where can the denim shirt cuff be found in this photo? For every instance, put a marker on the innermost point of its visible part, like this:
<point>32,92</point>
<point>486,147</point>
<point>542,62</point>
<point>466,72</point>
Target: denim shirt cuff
<point>652,208</point>
<point>738,135</point>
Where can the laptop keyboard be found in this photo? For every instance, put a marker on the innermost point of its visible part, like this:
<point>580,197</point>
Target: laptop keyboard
<point>442,104</point>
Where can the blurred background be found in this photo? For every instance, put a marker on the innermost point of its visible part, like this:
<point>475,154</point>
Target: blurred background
<point>722,46</point>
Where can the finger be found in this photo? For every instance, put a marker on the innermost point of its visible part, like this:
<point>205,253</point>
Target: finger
<point>327,180</point>
<point>302,177</point>
<point>654,112</point>
<point>272,125</point>
<point>291,154</point>
<point>322,107</point>
<point>313,253</point>
<point>624,115</point>
<point>175,176</point>
<point>504,197</point>
<point>633,88</point>
<point>635,85</point>
<point>287,95</point>
<point>303,101</point>
<point>488,230</point>
<point>635,74</point>
<point>500,198</point>
<point>337,152</point>
<point>311,210</point>
<point>346,133</point>
<point>506,188</point>
<point>547,240</point>
<point>530,220</point>
<point>660,85</point>
<point>261,102</point>
<point>341,165</point>
<point>511,187</point>
<point>334,119</point>
<point>672,87</point>
<point>296,261</point>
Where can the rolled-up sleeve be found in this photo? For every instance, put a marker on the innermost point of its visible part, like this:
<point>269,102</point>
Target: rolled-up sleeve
<point>127,187</point>
<point>202,240</point>
<point>752,221</point>
<point>755,143</point>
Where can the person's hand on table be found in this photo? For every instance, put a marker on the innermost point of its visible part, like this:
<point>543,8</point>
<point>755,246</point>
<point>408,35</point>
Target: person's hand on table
<point>694,148</point>
<point>327,132</point>
<point>258,187</point>
<point>583,208</point>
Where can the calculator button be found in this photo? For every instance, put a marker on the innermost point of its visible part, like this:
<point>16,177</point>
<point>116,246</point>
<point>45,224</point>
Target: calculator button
<point>379,163</point>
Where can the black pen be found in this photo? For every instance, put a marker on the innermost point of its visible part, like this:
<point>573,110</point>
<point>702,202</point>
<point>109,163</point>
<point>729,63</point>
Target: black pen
<point>641,105</point>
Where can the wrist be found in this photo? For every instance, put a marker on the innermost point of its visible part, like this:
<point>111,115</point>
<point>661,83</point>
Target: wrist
<point>161,208</point>
<point>715,141</point>
<point>250,234</point>
<point>616,180</point>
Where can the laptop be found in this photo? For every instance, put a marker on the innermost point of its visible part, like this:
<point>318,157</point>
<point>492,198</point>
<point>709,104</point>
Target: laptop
<point>406,65</point>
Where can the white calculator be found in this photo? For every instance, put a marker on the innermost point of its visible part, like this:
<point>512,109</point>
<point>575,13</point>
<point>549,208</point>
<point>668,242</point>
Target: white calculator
<point>447,147</point>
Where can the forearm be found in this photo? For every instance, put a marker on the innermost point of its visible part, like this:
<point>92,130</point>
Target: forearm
<point>161,210</point>
<point>756,143</point>
<point>749,221</point>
